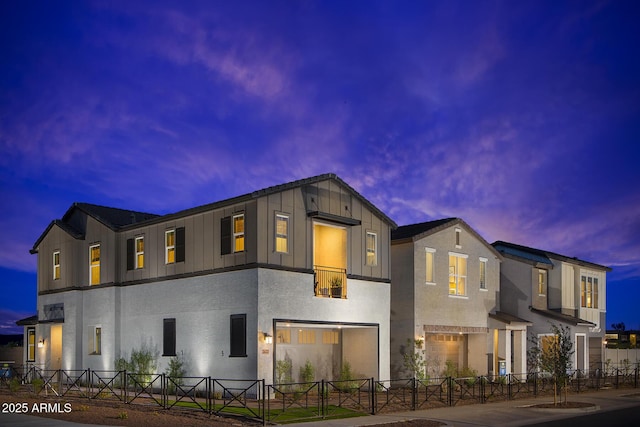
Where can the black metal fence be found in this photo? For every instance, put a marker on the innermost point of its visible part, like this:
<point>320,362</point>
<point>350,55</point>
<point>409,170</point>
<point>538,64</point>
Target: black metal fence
<point>256,400</point>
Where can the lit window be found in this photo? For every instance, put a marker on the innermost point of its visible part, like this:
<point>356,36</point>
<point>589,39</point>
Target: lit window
<point>457,274</point>
<point>542,282</point>
<point>31,344</point>
<point>94,264</point>
<point>429,265</point>
<point>282,233</point>
<point>170,246</point>
<point>483,273</point>
<point>139,252</point>
<point>95,340</point>
<point>589,292</point>
<point>330,337</point>
<point>372,244</point>
<point>56,265</point>
<point>306,336</point>
<point>283,336</point>
<point>238,233</point>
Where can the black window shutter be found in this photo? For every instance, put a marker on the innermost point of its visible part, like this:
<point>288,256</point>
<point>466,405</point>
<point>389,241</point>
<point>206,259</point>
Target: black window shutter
<point>238,335</point>
<point>225,235</point>
<point>180,244</point>
<point>169,337</point>
<point>130,254</point>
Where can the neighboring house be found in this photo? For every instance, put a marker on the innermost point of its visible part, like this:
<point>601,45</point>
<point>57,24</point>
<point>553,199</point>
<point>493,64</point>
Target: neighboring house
<point>445,292</point>
<point>615,338</point>
<point>547,288</point>
<point>297,272</point>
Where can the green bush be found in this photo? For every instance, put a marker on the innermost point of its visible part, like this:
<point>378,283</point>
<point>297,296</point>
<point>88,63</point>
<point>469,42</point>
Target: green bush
<point>307,373</point>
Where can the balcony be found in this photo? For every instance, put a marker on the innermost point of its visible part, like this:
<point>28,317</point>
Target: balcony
<point>330,282</point>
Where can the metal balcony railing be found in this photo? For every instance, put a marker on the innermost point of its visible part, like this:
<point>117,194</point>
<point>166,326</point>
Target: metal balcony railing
<point>330,282</point>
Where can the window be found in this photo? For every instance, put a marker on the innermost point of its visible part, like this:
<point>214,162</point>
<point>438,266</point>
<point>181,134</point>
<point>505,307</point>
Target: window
<point>139,252</point>
<point>542,282</point>
<point>170,246</point>
<point>430,279</point>
<point>56,265</point>
<point>31,344</point>
<point>95,339</point>
<point>372,246</point>
<point>283,336</point>
<point>458,232</point>
<point>457,274</point>
<point>169,337</point>
<point>174,247</point>
<point>94,264</point>
<point>589,292</point>
<point>330,337</point>
<point>238,233</point>
<point>282,233</point>
<point>238,335</point>
<point>306,336</point>
<point>483,273</point>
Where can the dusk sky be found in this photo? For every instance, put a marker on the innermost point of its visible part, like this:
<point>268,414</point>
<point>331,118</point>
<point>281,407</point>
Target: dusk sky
<point>520,117</point>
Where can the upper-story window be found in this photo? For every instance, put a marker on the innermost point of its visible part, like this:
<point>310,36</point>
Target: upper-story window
<point>372,248</point>
<point>94,264</point>
<point>542,282</point>
<point>282,233</point>
<point>56,265</point>
<point>457,274</point>
<point>458,233</point>
<point>174,247</point>
<point>430,255</point>
<point>238,233</point>
<point>483,273</point>
<point>589,291</point>
<point>170,246</point>
<point>139,255</point>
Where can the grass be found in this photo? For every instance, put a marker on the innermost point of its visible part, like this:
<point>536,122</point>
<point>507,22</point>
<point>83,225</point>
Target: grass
<point>289,415</point>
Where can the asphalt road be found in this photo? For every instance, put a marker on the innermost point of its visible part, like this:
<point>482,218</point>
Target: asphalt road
<point>619,417</point>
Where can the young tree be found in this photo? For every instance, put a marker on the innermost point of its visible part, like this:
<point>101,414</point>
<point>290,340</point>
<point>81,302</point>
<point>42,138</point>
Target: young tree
<point>553,354</point>
<point>414,361</point>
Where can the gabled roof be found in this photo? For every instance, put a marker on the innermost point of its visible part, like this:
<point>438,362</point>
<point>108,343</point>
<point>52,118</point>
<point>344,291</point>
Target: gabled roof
<point>508,318</point>
<point>413,232</point>
<point>556,315</point>
<point>122,219</point>
<point>542,256</point>
<point>113,218</point>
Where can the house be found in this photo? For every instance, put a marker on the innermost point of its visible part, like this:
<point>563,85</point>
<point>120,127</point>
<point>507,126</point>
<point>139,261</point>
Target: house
<point>445,291</point>
<point>296,272</point>
<point>548,288</point>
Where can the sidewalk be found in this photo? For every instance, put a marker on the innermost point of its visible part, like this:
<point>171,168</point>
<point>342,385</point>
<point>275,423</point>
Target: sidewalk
<point>510,413</point>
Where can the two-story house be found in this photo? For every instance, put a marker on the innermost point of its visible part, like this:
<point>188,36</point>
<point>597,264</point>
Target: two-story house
<point>548,288</point>
<point>445,289</point>
<point>297,272</point>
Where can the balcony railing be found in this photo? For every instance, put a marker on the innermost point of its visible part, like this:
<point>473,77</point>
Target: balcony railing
<point>330,282</point>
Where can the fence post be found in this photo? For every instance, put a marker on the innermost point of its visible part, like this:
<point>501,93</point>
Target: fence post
<point>209,394</point>
<point>373,396</point>
<point>264,413</point>
<point>323,400</point>
<point>450,390</point>
<point>126,387</point>
<point>413,393</point>
<point>535,383</point>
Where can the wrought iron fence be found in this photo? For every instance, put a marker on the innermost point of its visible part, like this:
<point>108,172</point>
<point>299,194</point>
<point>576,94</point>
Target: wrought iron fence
<point>255,400</point>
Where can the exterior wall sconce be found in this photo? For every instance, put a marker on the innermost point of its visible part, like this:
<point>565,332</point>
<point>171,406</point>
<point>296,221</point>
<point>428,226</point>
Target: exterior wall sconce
<point>268,339</point>
<point>41,343</point>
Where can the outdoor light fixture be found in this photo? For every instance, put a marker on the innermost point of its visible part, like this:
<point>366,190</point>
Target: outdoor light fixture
<point>41,343</point>
<point>268,339</point>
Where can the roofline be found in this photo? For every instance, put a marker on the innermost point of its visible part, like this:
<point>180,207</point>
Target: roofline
<point>449,223</point>
<point>576,321</point>
<point>534,263</point>
<point>553,255</point>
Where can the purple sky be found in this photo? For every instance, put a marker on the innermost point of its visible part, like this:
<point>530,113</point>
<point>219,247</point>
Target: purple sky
<point>521,117</point>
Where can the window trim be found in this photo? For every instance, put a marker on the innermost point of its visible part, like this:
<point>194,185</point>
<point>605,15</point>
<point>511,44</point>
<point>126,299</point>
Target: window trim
<point>589,290</point>
<point>283,236</point>
<point>94,266</point>
<point>31,347</point>
<point>56,265</point>
<point>137,253</point>
<point>368,251</point>
<point>432,252</point>
<point>168,248</point>
<point>458,276</point>
<point>458,238</point>
<point>483,273</point>
<point>95,340</point>
<point>235,236</point>
<point>543,273</point>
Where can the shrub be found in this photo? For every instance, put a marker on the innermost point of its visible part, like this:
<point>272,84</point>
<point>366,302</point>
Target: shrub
<point>307,373</point>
